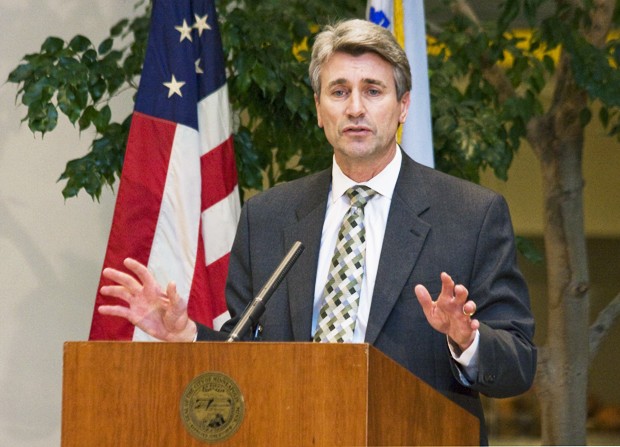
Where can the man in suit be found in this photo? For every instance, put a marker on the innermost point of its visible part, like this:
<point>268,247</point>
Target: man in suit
<point>426,235</point>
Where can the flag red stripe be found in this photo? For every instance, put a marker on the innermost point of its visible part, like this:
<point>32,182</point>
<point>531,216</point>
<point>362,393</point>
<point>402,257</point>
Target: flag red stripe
<point>219,173</point>
<point>206,299</point>
<point>137,209</point>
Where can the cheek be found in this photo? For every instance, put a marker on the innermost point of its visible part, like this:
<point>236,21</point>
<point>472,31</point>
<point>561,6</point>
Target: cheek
<point>326,121</point>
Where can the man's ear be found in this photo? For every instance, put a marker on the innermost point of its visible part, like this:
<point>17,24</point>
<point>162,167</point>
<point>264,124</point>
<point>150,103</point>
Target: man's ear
<point>317,104</point>
<point>404,104</point>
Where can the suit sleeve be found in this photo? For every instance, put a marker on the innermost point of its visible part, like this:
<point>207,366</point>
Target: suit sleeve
<point>507,355</point>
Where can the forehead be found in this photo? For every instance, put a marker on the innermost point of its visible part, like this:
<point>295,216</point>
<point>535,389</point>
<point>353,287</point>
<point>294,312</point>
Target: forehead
<point>355,68</point>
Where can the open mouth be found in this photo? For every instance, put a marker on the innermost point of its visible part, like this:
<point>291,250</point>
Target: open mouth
<point>356,131</point>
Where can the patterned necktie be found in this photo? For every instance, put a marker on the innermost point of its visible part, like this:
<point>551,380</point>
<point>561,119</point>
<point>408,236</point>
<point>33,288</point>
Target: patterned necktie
<point>342,290</point>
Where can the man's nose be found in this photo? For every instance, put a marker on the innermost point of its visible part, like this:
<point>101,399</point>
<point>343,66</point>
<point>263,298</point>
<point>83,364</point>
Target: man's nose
<point>355,106</point>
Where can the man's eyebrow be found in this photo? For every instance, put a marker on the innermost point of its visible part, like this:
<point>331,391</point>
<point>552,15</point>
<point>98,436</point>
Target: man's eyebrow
<point>339,81</point>
<point>342,81</point>
<point>373,82</point>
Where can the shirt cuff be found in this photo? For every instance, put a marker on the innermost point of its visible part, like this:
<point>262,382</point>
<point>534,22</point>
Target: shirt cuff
<point>467,360</point>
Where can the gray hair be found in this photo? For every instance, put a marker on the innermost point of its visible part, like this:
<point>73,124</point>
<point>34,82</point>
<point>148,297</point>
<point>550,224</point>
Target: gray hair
<point>356,37</point>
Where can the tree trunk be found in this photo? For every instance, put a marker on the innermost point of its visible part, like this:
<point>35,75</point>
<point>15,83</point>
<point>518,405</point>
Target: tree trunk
<point>562,378</point>
<point>557,139</point>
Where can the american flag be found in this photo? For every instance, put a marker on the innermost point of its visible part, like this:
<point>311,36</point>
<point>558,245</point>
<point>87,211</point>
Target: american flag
<point>178,203</point>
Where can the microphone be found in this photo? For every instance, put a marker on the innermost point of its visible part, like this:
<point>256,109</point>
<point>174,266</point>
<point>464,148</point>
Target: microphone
<point>255,309</point>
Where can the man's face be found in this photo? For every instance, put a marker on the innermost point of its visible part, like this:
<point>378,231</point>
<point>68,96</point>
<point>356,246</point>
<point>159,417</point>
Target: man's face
<point>359,111</point>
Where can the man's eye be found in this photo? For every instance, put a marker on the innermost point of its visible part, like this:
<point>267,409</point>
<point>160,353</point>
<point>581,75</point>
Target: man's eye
<point>338,93</point>
<point>374,92</point>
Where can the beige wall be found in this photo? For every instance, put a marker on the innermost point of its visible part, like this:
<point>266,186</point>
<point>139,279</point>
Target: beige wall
<point>51,252</point>
<point>601,194</point>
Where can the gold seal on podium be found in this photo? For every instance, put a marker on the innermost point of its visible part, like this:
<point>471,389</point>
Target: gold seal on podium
<point>212,407</point>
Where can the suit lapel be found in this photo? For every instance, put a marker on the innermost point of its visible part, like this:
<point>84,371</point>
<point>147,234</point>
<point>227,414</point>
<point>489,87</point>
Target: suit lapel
<point>404,238</point>
<point>302,277</point>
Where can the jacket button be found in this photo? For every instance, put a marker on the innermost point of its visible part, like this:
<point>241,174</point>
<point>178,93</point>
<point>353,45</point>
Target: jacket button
<point>489,378</point>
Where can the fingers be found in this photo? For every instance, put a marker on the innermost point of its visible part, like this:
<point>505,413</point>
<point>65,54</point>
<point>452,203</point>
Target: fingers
<point>139,270</point>
<point>425,299</point>
<point>447,286</point>
<point>122,279</point>
<point>171,302</point>
<point>451,312</point>
<point>115,311</point>
<point>117,292</point>
<point>469,308</point>
<point>453,300</point>
<point>173,296</point>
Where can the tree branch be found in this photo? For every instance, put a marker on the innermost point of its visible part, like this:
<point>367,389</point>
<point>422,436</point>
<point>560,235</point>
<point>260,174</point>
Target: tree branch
<point>603,323</point>
<point>602,18</point>
<point>494,74</point>
<point>464,8</point>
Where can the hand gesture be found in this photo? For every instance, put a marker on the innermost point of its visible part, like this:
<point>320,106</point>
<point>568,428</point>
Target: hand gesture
<point>451,313</point>
<point>160,314</point>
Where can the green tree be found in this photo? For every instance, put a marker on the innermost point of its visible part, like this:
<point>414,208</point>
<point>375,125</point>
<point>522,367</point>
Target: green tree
<point>486,85</point>
<point>269,89</point>
<point>485,105</point>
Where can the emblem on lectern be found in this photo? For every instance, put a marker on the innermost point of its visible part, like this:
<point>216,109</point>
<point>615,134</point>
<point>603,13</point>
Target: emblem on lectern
<point>212,407</point>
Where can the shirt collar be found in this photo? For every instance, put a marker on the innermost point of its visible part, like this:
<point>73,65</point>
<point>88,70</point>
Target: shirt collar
<point>383,183</point>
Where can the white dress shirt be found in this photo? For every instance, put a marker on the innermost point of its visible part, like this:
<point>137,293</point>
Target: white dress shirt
<point>375,220</point>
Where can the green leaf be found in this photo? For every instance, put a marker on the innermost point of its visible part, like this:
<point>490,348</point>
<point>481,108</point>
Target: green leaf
<point>585,116</point>
<point>21,73</point>
<point>87,117</point>
<point>97,88</point>
<point>105,46</point>
<point>117,29</point>
<point>529,250</point>
<point>80,43</point>
<point>603,116</point>
<point>445,124</point>
<point>259,75</point>
<point>38,93</point>
<point>42,119</point>
<point>66,99</point>
<point>102,119</point>
<point>549,63</point>
<point>72,71</point>
<point>52,45</point>
<point>294,98</point>
<point>133,64</point>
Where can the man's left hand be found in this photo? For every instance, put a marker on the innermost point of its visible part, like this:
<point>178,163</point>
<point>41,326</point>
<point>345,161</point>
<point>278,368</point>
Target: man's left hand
<point>451,313</point>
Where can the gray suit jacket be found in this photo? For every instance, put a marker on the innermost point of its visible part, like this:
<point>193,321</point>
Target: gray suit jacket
<point>436,223</point>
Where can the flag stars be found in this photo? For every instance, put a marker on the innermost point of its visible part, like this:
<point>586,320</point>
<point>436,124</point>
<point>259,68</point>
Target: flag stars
<point>200,23</point>
<point>197,66</point>
<point>174,87</point>
<point>185,30</point>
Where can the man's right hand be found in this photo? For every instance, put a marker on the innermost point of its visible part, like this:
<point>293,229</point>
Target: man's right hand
<point>162,315</point>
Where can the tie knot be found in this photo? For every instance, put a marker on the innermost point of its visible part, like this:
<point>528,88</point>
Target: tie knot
<point>359,195</point>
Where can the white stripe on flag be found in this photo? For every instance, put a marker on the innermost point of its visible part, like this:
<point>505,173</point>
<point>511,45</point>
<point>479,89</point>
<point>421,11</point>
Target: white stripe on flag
<point>219,224</point>
<point>214,119</point>
<point>219,321</point>
<point>173,253</point>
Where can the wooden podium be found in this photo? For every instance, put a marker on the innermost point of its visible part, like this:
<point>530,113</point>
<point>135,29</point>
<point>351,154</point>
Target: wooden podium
<point>294,394</point>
